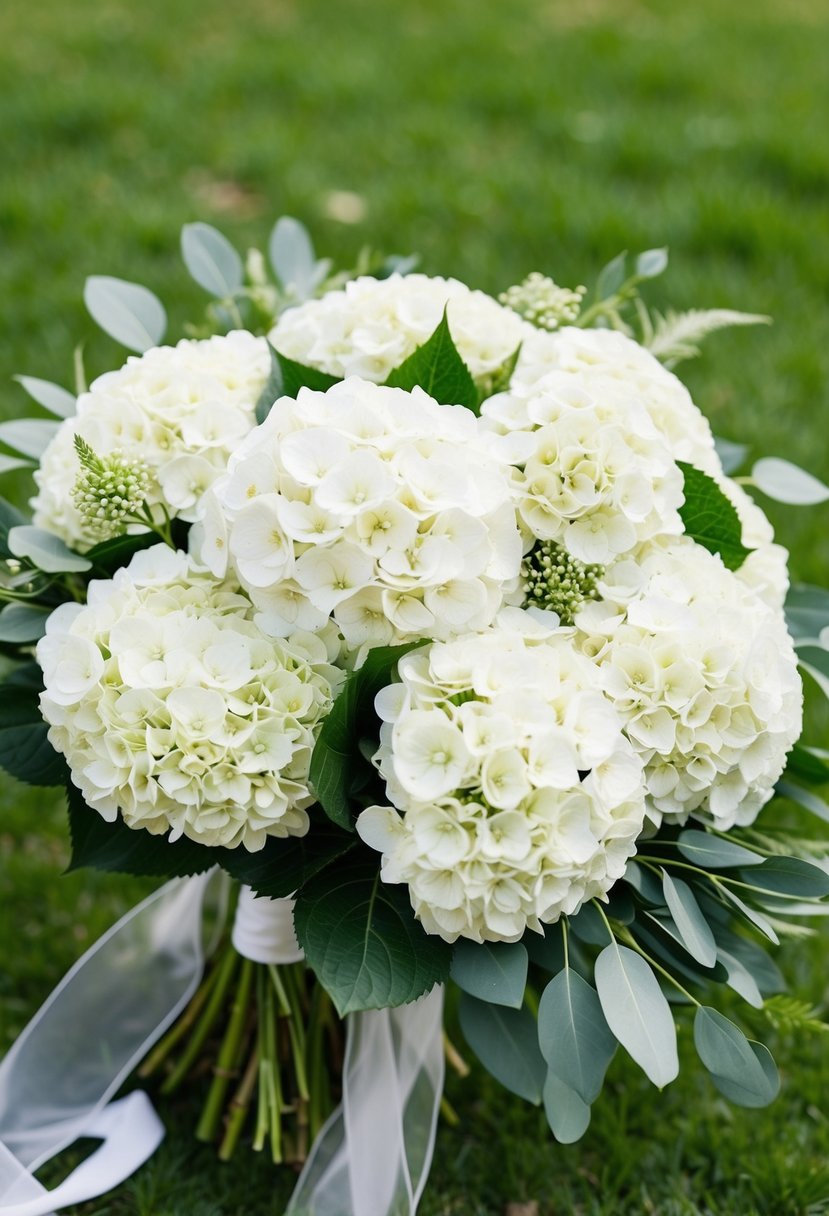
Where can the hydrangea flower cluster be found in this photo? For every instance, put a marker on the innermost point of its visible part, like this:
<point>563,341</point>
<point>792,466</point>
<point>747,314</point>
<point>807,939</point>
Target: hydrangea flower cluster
<point>704,674</point>
<point>373,325</point>
<point>172,708</point>
<point>542,302</point>
<point>180,410</point>
<point>518,797</point>
<point>594,473</point>
<point>374,505</point>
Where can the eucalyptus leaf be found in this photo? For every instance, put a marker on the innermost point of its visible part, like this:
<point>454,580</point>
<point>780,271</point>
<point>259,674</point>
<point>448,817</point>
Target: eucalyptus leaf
<point>757,961</point>
<point>29,436</point>
<point>645,883</point>
<point>567,1115</point>
<point>785,482</point>
<point>291,253</point>
<point>8,464</point>
<point>492,971</point>
<point>611,277</point>
<point>211,259</point>
<point>808,763</point>
<point>589,926</point>
<point>439,370</point>
<point>23,622</point>
<point>661,939</point>
<point>52,397</point>
<point>10,517</point>
<point>741,979</point>
<point>45,550</point>
<point>752,915</point>
<point>808,799</point>
<point>651,263</point>
<point>732,455</point>
<point>788,876</point>
<point>710,852</point>
<point>128,312</point>
<point>545,950</point>
<point>710,518</point>
<point>637,1012</point>
<point>693,927</point>
<point>743,1071</point>
<point>506,1043</point>
<point>573,1034</point>
<point>807,610</point>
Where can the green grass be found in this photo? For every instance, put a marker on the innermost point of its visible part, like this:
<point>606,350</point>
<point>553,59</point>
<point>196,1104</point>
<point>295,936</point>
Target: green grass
<point>495,138</point>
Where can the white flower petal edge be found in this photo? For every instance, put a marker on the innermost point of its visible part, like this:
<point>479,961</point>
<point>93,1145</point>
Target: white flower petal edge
<point>173,709</point>
<point>181,409</point>
<point>517,795</point>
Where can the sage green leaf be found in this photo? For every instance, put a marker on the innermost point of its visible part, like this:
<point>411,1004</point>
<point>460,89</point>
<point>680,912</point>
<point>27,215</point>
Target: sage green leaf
<point>710,518</point>
<point>547,950</point>
<point>439,370</point>
<point>29,436</point>
<point>788,876</point>
<point>807,610</point>
<point>506,1043</point>
<point>45,550</point>
<point>589,926</point>
<point>751,915</point>
<point>651,263</point>
<point>573,1034</point>
<point>128,312</point>
<point>785,482</point>
<point>10,517</point>
<point>567,1115</point>
<point>23,622</point>
<point>660,937</point>
<point>611,277</point>
<point>741,979</point>
<point>808,763</point>
<point>693,927</point>
<point>732,455</point>
<point>637,1012</point>
<point>52,397</point>
<point>492,971</point>
<point>809,800</point>
<point>711,852</point>
<point>743,1071</point>
<point>361,938</point>
<point>644,883</point>
<point>758,962</point>
<point>291,253</point>
<point>211,259</point>
<point>9,463</point>
<point>25,750</point>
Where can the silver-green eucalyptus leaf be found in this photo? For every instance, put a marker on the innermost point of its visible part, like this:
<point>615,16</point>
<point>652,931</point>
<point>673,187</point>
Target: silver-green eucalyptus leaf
<point>45,551</point>
<point>637,1012</point>
<point>743,1071</point>
<point>688,917</point>
<point>58,401</point>
<point>22,623</point>
<point>786,483</point>
<point>211,259</point>
<point>29,436</point>
<point>573,1034</point>
<point>128,312</point>
<point>567,1114</point>
<point>491,971</point>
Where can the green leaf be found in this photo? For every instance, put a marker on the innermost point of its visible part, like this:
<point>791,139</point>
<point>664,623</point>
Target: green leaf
<point>10,518</point>
<point>291,253</point>
<point>23,622</point>
<point>660,937</point>
<point>688,917</point>
<point>493,971</point>
<point>644,883</point>
<point>25,750</point>
<point>361,938</point>
<point>788,876</point>
<point>651,263</point>
<point>274,388</point>
<point>809,800</point>
<point>111,555</point>
<point>211,259</point>
<point>611,277</point>
<point>573,1034</point>
<point>637,1012</point>
<point>710,518</point>
<point>128,312</point>
<point>52,397</point>
<point>336,760</point>
<point>807,610</point>
<point>45,550</point>
<point>710,852</point>
<point>732,455</point>
<point>589,926</point>
<point>785,482</point>
<point>757,961</point>
<point>506,1043</point>
<point>439,370</point>
<point>30,436</point>
<point>751,915</point>
<point>296,376</point>
<point>567,1115</point>
<point>741,979</point>
<point>809,764</point>
<point>284,865</point>
<point>743,1071</point>
<point>8,464</point>
<point>545,950</point>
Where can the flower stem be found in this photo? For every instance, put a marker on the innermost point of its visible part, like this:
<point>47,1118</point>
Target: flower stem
<point>230,1053</point>
<point>205,1024</point>
<point>177,1032</point>
<point>454,1057</point>
<point>238,1110</point>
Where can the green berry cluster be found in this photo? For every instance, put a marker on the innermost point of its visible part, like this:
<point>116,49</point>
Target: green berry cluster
<point>109,492</point>
<point>558,582</point>
<point>542,302</point>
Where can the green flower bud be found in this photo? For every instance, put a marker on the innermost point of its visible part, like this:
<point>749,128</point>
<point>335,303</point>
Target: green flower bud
<point>557,582</point>
<point>108,491</point>
<point>542,302</point>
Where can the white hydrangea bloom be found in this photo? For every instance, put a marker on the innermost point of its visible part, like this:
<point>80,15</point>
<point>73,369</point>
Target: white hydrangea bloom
<point>766,569</point>
<point>374,505</point>
<point>597,356</point>
<point>181,409</point>
<point>372,325</point>
<point>172,708</point>
<point>704,674</point>
<point>592,471</point>
<point>518,797</point>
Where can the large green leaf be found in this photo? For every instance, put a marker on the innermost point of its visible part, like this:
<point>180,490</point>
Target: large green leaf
<point>361,938</point>
<point>788,876</point>
<point>25,750</point>
<point>688,917</point>
<point>710,518</point>
<point>296,376</point>
<point>493,971</point>
<point>336,762</point>
<point>637,1012</point>
<point>710,852</point>
<point>573,1034</point>
<point>110,555</point>
<point>567,1114</point>
<point>439,370</point>
<point>506,1043</point>
<point>743,1071</point>
<point>808,763</point>
<point>284,865</point>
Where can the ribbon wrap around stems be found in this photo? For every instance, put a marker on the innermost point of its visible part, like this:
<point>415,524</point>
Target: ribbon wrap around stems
<point>371,1158</point>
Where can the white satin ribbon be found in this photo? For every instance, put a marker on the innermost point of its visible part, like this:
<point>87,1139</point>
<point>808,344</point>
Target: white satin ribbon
<point>371,1158</point>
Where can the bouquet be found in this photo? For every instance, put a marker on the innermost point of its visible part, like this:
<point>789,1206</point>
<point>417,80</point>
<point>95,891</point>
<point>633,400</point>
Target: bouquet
<point>441,625</point>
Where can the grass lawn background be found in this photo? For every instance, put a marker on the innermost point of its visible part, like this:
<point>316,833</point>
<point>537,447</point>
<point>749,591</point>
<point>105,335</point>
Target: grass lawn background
<point>494,138</point>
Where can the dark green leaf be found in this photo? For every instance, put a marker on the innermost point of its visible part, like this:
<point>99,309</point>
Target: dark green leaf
<point>788,876</point>
<point>111,555</point>
<point>493,971</point>
<point>751,915</point>
<point>589,926</point>
<point>567,1115</point>
<point>661,939</point>
<point>296,376</point>
<point>361,938</point>
<point>10,518</point>
<point>274,387</point>
<point>573,1034</point>
<point>284,865</point>
<point>547,950</point>
<point>336,761</point>
<point>25,750</point>
<point>506,1043</point>
<point>710,852</point>
<point>710,518</point>
<point>744,1072</point>
<point>809,764</point>
<point>438,369</point>
<point>645,883</point>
